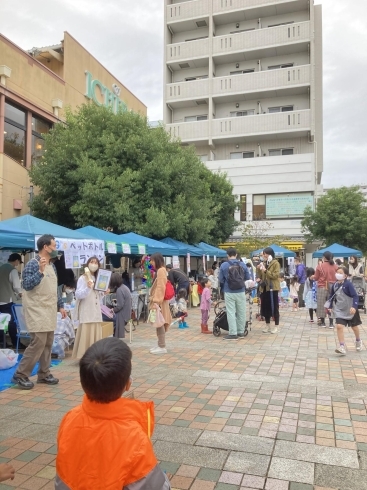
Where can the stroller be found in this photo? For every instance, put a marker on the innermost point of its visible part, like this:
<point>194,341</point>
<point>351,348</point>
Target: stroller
<point>359,284</point>
<point>220,320</point>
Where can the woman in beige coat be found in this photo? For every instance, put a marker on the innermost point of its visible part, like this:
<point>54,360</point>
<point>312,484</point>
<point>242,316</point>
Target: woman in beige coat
<point>157,293</point>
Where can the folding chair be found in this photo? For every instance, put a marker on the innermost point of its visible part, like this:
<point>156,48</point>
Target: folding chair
<point>22,330</point>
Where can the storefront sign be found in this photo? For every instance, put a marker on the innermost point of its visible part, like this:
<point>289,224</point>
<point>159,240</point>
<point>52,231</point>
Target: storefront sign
<point>101,95</point>
<point>287,205</point>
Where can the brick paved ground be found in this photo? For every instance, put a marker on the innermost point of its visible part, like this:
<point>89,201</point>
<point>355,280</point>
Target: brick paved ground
<point>274,412</point>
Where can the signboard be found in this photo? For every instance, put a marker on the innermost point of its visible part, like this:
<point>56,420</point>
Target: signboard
<point>175,262</point>
<point>287,205</point>
<point>102,95</point>
<point>111,247</point>
<point>126,249</point>
<point>188,263</point>
<point>141,249</point>
<point>83,249</point>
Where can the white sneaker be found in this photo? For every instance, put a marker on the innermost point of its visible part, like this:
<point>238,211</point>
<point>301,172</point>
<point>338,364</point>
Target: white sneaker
<point>274,330</point>
<point>159,350</point>
<point>341,350</point>
<point>153,348</point>
<point>267,329</point>
<point>358,345</point>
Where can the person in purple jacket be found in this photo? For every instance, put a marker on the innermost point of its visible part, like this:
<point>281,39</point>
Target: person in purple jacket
<point>344,305</point>
<point>301,273</point>
<point>205,303</point>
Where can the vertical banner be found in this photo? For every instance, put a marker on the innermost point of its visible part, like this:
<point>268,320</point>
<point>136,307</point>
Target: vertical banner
<point>176,262</point>
<point>204,266</point>
<point>188,263</point>
<point>215,258</point>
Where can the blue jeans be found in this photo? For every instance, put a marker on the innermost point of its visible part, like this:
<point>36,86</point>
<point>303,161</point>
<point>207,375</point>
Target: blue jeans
<point>236,312</point>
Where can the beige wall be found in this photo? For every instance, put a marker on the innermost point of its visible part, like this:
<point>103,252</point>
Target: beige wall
<point>14,183</point>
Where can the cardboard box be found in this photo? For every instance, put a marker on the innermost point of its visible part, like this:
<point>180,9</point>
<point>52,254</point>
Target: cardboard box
<point>107,329</point>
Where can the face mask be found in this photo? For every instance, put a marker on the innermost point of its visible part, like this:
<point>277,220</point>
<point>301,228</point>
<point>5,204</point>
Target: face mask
<point>270,258</point>
<point>93,267</point>
<point>339,277</point>
<point>68,291</point>
<point>53,254</point>
<point>261,259</point>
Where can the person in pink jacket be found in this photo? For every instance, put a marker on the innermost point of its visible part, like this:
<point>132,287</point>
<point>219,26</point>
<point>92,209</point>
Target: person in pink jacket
<point>205,304</point>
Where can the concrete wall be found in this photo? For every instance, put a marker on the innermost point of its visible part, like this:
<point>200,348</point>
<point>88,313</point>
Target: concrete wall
<point>14,184</point>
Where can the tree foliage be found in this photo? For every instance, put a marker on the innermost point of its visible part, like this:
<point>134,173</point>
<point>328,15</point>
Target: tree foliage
<point>256,236</point>
<point>340,217</point>
<point>114,171</point>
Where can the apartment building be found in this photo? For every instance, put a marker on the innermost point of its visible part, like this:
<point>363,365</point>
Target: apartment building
<point>243,84</point>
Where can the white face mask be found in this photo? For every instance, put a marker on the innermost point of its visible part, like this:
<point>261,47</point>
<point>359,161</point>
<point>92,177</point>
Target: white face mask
<point>68,290</point>
<point>339,277</point>
<point>270,258</point>
<point>93,267</point>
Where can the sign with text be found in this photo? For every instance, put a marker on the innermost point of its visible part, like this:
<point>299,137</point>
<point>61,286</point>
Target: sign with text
<point>288,205</point>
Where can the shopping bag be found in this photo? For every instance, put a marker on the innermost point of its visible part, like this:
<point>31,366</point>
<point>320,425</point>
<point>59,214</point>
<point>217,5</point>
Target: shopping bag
<point>8,358</point>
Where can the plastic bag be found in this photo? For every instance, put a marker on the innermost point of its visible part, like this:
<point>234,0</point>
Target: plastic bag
<point>155,317</point>
<point>8,358</point>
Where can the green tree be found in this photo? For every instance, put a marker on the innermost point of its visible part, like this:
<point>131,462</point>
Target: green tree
<point>114,171</point>
<point>255,236</point>
<point>340,217</point>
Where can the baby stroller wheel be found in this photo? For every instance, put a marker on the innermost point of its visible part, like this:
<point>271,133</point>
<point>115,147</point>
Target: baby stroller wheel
<point>245,333</point>
<point>216,331</point>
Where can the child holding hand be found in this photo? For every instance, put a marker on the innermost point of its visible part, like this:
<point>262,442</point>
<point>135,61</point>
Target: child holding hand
<point>205,304</point>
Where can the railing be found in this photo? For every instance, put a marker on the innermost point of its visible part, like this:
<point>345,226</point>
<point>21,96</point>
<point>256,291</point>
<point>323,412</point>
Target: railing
<point>188,50</point>
<point>189,131</point>
<point>261,38</point>
<point>187,90</point>
<point>222,6</point>
<point>187,10</point>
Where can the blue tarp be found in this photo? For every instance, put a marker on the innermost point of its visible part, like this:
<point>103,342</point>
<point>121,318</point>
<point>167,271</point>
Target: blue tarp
<point>279,251</point>
<point>25,228</point>
<point>152,246</point>
<point>184,248</point>
<point>338,251</point>
<point>107,236</point>
<point>211,251</point>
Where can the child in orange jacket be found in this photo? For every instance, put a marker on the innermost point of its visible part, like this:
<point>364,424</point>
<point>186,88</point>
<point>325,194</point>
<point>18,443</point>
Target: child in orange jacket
<point>105,442</point>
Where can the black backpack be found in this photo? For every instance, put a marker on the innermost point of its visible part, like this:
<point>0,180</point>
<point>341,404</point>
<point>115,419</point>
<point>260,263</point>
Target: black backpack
<point>236,277</point>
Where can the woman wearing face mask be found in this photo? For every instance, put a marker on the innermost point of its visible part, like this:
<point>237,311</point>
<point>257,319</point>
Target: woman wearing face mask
<point>344,305</point>
<point>268,273</point>
<point>355,269</point>
<point>87,310</point>
<point>325,277</point>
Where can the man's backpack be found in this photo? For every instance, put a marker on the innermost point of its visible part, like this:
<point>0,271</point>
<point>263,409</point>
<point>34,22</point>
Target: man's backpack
<point>170,292</point>
<point>236,277</point>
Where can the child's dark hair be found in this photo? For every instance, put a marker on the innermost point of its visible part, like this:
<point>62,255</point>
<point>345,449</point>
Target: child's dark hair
<point>203,281</point>
<point>294,280</point>
<point>105,369</point>
<point>344,269</point>
<point>310,272</point>
<point>281,274</point>
<point>182,293</point>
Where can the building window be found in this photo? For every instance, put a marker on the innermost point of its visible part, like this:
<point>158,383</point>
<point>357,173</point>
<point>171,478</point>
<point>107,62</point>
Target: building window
<point>258,207</point>
<point>241,72</point>
<point>203,158</point>
<point>242,154</point>
<point>195,118</point>
<point>243,213</point>
<point>40,127</point>
<point>250,112</point>
<point>281,151</point>
<point>15,133</point>
<point>284,108</point>
<point>277,67</point>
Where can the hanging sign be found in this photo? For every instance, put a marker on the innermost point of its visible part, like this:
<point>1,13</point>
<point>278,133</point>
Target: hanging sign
<point>126,249</point>
<point>188,263</point>
<point>111,247</point>
<point>175,262</point>
<point>84,248</point>
<point>141,249</point>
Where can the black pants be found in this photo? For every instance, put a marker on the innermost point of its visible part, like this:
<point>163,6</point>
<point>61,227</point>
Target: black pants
<point>269,307</point>
<point>301,303</point>
<point>12,328</point>
<point>310,311</point>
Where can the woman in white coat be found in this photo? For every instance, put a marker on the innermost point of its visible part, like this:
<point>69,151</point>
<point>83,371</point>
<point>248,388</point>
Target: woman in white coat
<point>87,310</point>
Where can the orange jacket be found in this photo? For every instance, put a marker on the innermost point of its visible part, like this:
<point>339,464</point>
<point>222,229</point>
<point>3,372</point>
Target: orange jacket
<point>106,446</point>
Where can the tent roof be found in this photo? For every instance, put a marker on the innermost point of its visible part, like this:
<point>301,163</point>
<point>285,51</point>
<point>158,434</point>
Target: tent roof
<point>184,248</point>
<point>210,250</point>
<point>151,245</point>
<point>279,251</point>
<point>99,234</point>
<point>24,229</point>
<point>338,251</point>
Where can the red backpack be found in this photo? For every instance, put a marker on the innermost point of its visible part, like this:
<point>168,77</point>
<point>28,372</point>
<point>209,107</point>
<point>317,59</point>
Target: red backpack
<point>170,292</point>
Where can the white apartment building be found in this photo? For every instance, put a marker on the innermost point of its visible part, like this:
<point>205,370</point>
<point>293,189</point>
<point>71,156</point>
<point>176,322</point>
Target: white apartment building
<point>243,83</point>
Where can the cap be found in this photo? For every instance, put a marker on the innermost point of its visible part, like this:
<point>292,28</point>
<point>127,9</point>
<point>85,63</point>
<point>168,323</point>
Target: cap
<point>14,257</point>
<point>169,266</point>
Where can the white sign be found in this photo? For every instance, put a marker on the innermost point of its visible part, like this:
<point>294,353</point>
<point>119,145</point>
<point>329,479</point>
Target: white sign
<point>84,248</point>
<point>204,264</point>
<point>141,249</point>
<point>188,263</point>
<point>175,262</point>
<point>215,258</point>
<point>291,266</point>
<point>126,249</point>
<point>207,258</point>
<point>111,247</point>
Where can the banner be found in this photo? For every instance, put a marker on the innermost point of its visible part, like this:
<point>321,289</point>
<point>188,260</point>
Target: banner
<point>84,249</point>
<point>175,262</point>
<point>111,247</point>
<point>188,263</point>
<point>141,249</point>
<point>126,249</point>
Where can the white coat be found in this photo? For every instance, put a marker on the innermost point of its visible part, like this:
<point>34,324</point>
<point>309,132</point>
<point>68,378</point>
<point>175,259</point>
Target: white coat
<point>88,303</point>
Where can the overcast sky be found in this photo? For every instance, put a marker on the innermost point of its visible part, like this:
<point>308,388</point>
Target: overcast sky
<point>126,36</point>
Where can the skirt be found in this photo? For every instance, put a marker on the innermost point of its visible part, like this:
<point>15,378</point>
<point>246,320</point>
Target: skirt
<point>86,335</point>
<point>322,297</point>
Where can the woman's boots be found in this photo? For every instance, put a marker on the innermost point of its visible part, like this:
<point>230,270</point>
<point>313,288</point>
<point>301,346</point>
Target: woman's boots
<point>204,329</point>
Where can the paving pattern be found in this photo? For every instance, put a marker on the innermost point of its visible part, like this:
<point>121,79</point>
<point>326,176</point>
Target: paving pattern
<point>273,412</point>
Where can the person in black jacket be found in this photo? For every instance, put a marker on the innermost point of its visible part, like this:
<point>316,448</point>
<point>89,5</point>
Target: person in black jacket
<point>178,278</point>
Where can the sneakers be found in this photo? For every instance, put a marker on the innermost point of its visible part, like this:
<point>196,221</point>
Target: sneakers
<point>48,380</point>
<point>331,327</point>
<point>322,325</point>
<point>274,330</point>
<point>158,350</point>
<point>267,329</point>
<point>341,350</point>
<point>241,335</point>
<point>311,321</point>
<point>230,337</point>
<point>23,382</point>
<point>358,345</point>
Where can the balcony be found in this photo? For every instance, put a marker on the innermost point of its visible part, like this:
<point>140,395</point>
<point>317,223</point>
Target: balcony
<point>286,79</point>
<point>261,39</point>
<point>187,11</point>
<point>188,50</point>
<point>224,6</point>
<point>288,123</point>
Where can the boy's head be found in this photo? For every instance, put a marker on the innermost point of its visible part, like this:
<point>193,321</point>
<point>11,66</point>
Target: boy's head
<point>281,275</point>
<point>105,370</point>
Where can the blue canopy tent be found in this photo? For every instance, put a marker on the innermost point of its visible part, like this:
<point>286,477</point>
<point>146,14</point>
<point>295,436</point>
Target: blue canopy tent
<point>279,251</point>
<point>107,236</point>
<point>338,251</point>
<point>184,248</point>
<point>24,229</point>
<point>211,251</point>
<point>152,246</point>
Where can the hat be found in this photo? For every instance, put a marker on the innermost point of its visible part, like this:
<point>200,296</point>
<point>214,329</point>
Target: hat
<point>169,266</point>
<point>14,257</point>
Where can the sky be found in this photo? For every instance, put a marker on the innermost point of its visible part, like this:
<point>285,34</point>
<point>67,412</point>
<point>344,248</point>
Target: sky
<point>126,36</point>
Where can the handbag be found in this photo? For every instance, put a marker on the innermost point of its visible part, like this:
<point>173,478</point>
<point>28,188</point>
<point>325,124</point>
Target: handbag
<point>155,317</point>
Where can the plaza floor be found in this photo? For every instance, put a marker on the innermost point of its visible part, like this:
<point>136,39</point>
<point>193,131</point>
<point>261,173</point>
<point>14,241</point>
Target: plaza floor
<point>274,412</point>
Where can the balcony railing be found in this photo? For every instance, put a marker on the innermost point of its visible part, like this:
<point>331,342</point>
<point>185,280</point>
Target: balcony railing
<point>187,10</point>
<point>223,6</point>
<point>240,84</point>
<point>261,38</point>
<point>188,50</point>
<point>234,127</point>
